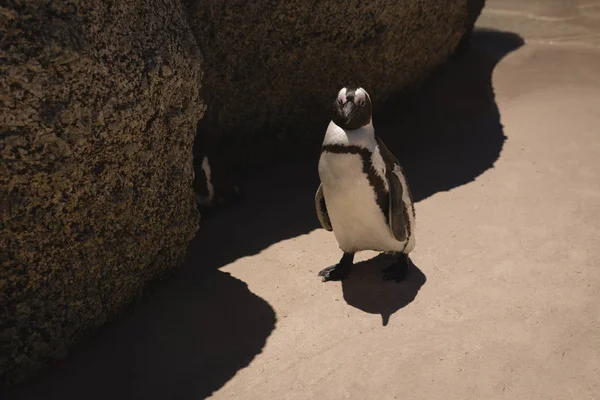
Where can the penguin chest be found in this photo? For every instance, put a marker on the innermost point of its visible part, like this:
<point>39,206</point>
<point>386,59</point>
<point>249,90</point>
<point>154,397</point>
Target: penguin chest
<point>357,219</point>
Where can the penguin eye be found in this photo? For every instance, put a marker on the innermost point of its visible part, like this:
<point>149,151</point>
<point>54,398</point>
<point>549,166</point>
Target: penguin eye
<point>361,102</point>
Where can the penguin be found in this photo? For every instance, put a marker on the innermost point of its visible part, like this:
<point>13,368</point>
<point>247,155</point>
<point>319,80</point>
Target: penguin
<point>212,185</point>
<point>363,196</point>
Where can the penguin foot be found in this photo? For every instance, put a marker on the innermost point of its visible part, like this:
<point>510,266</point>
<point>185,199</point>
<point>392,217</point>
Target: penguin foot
<point>398,270</point>
<point>340,271</point>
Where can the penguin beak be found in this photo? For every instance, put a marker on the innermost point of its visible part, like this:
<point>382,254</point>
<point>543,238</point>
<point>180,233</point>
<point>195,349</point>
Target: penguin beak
<point>348,111</point>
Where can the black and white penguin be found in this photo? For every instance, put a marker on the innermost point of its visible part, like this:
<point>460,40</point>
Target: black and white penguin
<point>212,185</point>
<point>364,197</point>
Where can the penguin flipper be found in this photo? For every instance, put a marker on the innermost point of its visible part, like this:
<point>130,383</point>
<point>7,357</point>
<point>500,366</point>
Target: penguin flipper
<point>322,210</point>
<point>389,158</point>
<point>396,215</point>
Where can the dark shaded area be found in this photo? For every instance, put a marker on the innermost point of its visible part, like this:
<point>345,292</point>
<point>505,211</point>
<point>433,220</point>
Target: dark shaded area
<point>194,334</point>
<point>185,342</point>
<point>269,70</point>
<point>449,131</point>
<point>225,192</point>
<point>365,290</point>
<point>474,8</point>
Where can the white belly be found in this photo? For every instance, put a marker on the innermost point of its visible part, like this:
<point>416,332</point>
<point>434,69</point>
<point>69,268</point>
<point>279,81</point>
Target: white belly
<point>358,222</point>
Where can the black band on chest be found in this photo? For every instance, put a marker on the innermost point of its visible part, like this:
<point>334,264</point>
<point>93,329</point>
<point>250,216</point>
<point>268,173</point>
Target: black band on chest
<point>375,181</point>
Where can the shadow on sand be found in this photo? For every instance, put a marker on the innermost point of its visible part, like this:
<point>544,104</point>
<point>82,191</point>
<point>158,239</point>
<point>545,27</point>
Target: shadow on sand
<point>191,336</point>
<point>449,132</point>
<point>365,290</point>
<point>196,332</point>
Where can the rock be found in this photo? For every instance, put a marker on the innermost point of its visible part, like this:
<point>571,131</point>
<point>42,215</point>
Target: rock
<point>100,102</point>
<point>273,67</point>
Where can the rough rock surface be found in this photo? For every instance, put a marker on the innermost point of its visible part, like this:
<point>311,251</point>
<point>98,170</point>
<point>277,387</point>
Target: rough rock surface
<point>273,67</point>
<point>99,103</point>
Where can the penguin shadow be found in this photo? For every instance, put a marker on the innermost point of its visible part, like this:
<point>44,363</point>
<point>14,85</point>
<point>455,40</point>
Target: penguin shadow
<point>448,131</point>
<point>364,289</point>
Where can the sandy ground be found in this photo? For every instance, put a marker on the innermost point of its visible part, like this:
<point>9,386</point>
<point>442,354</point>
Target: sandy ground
<point>503,300</point>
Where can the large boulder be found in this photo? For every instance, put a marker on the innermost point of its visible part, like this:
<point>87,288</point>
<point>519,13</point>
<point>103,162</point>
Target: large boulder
<point>273,67</point>
<point>99,105</point>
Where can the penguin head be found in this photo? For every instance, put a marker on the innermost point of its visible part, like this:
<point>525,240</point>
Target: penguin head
<point>352,108</point>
